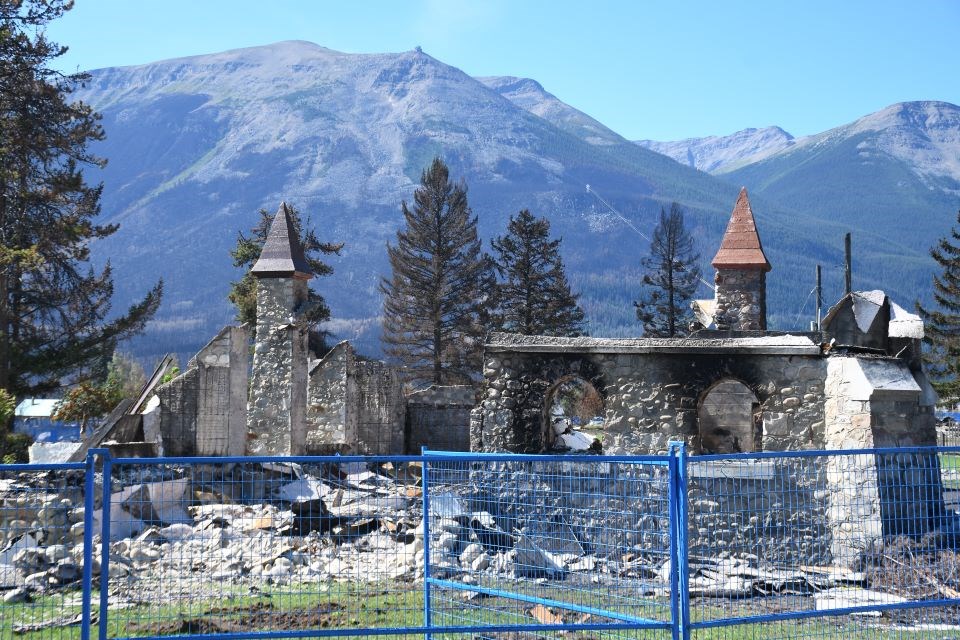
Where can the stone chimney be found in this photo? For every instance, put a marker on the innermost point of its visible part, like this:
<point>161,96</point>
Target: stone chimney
<point>741,280</point>
<point>277,404</point>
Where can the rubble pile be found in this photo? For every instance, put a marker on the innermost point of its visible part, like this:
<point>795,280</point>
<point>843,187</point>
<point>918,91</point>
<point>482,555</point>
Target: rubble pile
<point>192,532</point>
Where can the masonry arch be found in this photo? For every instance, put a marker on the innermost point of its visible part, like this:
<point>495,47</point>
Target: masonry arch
<point>571,403</point>
<point>729,418</point>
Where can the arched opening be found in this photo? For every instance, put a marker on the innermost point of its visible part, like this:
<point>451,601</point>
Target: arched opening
<point>573,416</point>
<point>729,418</point>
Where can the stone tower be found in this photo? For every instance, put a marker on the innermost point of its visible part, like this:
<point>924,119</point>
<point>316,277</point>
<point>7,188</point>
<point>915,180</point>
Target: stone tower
<point>277,405</point>
<point>741,293</point>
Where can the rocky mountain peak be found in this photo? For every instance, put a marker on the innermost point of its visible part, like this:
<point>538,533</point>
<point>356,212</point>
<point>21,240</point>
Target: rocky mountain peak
<point>717,154</point>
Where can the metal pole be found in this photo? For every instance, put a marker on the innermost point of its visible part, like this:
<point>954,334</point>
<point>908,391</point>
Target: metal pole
<point>847,264</point>
<point>682,542</point>
<point>425,488</point>
<point>105,543</point>
<point>88,504</point>
<point>674,497</point>
<point>819,297</point>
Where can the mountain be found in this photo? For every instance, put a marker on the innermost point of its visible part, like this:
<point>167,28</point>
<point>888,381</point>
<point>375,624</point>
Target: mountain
<point>530,95</point>
<point>196,145</point>
<point>718,154</point>
<point>896,170</point>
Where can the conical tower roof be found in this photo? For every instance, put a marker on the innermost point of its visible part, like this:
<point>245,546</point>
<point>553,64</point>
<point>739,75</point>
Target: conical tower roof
<point>740,247</point>
<point>282,254</point>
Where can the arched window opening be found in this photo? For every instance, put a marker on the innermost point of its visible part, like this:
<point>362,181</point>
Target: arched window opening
<point>729,419</point>
<point>573,416</point>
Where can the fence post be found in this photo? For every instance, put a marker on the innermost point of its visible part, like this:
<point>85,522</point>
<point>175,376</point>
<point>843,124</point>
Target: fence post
<point>105,540</point>
<point>88,505</point>
<point>683,550</point>
<point>673,504</point>
<point>425,488</point>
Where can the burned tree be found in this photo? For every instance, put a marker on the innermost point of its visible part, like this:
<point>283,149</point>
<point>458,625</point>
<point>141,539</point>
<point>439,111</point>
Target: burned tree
<point>434,299</point>
<point>672,272</point>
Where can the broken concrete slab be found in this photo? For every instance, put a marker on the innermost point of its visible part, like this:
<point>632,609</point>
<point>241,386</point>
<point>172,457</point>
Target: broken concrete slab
<point>556,537</point>
<point>303,489</point>
<point>530,561</point>
<point>847,597</point>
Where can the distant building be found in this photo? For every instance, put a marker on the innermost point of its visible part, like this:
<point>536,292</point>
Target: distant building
<point>33,418</point>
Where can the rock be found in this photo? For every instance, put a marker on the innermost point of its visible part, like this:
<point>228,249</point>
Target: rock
<point>17,544</point>
<point>10,576</point>
<point>30,560</point>
<point>555,537</point>
<point>446,505</point>
<point>470,553</point>
<point>481,562</point>
<point>18,595</point>
<point>448,541</point>
<point>66,571</point>
<point>588,563</point>
<point>179,531</point>
<point>37,581</point>
<point>142,554</point>
<point>57,552</point>
<point>281,567</point>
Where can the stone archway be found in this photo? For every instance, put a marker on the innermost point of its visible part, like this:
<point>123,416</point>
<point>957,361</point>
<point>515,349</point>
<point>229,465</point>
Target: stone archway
<point>729,418</point>
<point>571,404</point>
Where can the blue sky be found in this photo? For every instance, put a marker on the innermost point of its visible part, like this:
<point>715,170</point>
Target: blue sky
<point>659,70</point>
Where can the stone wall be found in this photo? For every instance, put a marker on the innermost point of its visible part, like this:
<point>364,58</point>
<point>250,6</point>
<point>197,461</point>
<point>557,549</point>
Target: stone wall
<point>871,403</point>
<point>355,405</point>
<point>203,411</point>
<point>276,411</point>
<point>440,418</point>
<point>770,510</point>
<point>741,299</point>
<point>381,409</point>
<point>330,426</point>
<point>653,397</point>
<point>178,413</point>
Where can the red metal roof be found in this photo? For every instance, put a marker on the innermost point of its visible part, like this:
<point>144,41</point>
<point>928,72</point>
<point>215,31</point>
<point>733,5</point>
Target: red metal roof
<point>740,247</point>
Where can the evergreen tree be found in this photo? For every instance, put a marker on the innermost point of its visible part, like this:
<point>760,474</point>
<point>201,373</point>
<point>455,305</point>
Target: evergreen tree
<point>672,272</point>
<point>942,322</point>
<point>53,305</point>
<point>434,301</point>
<point>243,293</point>
<point>533,297</point>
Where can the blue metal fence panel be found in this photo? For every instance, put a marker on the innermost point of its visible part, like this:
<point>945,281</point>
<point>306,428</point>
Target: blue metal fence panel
<point>41,550</point>
<point>812,544</point>
<point>798,545</point>
<point>302,546</point>
<point>549,540</point>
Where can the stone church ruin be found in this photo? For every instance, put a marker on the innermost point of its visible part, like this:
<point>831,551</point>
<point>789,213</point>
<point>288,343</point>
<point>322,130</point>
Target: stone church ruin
<point>737,387</point>
<point>857,383</point>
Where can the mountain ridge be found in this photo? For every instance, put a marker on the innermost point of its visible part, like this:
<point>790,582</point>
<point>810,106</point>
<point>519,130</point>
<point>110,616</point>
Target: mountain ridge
<point>198,144</point>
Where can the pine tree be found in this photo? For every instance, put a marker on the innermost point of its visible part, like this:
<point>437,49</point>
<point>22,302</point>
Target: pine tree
<point>672,272</point>
<point>533,297</point>
<point>53,305</point>
<point>434,300</point>
<point>243,293</point>
<point>942,323</point>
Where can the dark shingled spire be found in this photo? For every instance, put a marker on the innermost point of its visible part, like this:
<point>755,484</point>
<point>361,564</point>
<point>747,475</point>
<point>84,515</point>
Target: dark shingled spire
<point>282,254</point>
<point>740,247</point>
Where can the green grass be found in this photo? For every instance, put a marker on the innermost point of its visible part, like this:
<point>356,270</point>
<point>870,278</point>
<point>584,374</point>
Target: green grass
<point>391,605</point>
